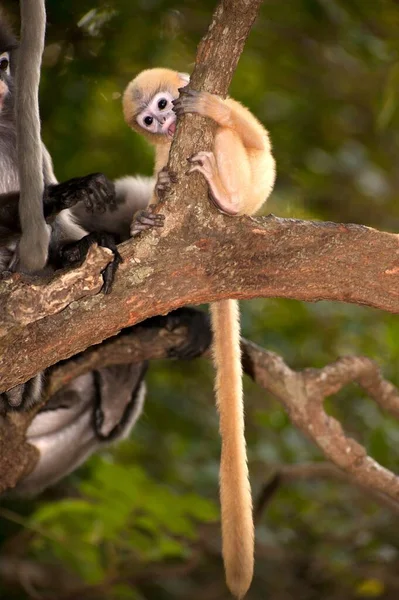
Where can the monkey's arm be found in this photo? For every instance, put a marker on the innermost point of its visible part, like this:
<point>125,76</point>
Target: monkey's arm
<point>93,193</point>
<point>107,228</point>
<point>226,113</point>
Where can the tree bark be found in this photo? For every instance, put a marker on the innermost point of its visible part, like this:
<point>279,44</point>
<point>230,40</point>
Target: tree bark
<point>222,258</point>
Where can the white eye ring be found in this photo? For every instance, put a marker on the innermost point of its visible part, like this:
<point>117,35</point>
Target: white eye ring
<point>5,62</point>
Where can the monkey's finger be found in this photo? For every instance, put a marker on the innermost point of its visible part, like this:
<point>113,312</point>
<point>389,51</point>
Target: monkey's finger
<point>199,157</point>
<point>139,228</point>
<point>195,159</point>
<point>198,168</point>
<point>155,215</point>
<point>192,93</point>
<point>164,179</point>
<point>149,221</point>
<point>164,182</point>
<point>109,275</point>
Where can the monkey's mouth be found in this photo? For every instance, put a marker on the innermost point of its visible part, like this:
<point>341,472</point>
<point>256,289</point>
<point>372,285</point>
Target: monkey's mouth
<point>169,126</point>
<point>3,94</point>
<point>172,129</point>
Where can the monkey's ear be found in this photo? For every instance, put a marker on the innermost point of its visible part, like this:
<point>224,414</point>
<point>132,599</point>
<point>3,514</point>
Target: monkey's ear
<point>184,77</point>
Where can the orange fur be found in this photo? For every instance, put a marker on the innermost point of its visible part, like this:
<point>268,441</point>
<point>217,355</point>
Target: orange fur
<point>240,174</point>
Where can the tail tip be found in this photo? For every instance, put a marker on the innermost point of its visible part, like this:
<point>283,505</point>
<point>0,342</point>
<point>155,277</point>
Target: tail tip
<point>239,583</point>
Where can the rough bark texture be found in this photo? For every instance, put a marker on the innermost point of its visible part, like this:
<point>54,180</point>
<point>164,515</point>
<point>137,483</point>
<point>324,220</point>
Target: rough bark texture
<point>278,258</point>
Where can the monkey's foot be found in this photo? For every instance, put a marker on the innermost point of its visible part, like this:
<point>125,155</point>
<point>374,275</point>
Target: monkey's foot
<point>96,192</point>
<point>199,336</point>
<point>202,103</point>
<point>205,163</point>
<point>75,253</point>
<point>146,219</point>
<point>197,323</point>
<point>24,396</point>
<point>165,179</point>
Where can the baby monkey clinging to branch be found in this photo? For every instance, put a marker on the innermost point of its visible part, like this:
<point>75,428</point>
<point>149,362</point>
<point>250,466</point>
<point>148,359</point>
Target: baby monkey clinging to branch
<point>240,172</point>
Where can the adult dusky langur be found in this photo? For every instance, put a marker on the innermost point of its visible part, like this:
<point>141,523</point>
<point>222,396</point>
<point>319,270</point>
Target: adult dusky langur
<point>80,211</point>
<point>102,406</point>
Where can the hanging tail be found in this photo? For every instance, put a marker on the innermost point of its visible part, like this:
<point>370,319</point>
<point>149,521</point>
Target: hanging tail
<point>235,490</point>
<point>33,246</point>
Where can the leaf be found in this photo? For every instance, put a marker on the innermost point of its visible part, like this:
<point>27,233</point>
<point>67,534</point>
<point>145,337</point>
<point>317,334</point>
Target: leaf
<point>370,588</point>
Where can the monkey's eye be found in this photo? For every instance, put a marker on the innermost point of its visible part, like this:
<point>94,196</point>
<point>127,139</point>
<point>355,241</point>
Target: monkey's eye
<point>162,103</point>
<point>4,62</point>
<point>148,121</point>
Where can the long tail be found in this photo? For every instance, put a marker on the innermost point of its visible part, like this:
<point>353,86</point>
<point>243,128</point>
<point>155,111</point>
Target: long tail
<point>33,247</point>
<point>235,490</point>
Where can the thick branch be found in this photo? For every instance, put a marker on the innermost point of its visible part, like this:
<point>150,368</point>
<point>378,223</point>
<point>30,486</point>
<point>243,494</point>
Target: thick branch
<point>277,258</point>
<point>287,474</point>
<point>303,394</point>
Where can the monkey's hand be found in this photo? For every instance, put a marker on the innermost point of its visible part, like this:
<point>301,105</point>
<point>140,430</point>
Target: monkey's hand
<point>96,192</point>
<point>146,219</point>
<point>75,253</point>
<point>202,103</point>
<point>165,179</point>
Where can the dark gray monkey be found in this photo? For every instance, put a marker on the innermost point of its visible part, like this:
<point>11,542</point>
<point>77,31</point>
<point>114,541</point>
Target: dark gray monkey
<point>81,211</point>
<point>101,407</point>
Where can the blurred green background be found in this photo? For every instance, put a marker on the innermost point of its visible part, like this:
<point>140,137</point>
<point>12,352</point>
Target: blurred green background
<point>139,521</point>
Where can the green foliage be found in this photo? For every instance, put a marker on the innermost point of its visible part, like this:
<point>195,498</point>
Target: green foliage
<point>123,514</point>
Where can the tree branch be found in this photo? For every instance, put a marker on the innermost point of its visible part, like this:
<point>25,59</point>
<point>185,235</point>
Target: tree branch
<point>303,393</point>
<point>277,258</point>
<point>287,474</point>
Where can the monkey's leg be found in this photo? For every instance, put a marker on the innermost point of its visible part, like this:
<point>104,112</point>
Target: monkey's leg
<point>75,253</point>
<point>95,191</point>
<point>119,395</point>
<point>197,323</point>
<point>227,171</point>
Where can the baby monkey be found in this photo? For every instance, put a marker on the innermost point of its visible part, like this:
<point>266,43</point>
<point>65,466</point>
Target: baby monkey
<point>240,172</point>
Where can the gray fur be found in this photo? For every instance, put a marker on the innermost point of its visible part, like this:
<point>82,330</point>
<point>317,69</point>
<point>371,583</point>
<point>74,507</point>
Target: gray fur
<point>64,432</point>
<point>132,194</point>
<point>34,242</point>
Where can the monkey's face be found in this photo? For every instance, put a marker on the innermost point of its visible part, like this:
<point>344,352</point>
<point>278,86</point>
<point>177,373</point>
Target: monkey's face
<point>147,103</point>
<point>5,78</point>
<point>158,117</point>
